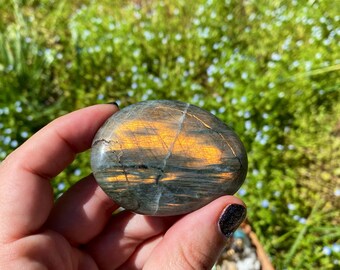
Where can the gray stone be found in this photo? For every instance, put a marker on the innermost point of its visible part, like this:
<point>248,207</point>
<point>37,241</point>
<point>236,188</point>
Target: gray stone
<point>167,158</point>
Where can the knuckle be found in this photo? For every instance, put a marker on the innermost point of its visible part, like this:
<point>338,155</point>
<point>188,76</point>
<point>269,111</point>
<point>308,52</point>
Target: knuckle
<point>195,258</point>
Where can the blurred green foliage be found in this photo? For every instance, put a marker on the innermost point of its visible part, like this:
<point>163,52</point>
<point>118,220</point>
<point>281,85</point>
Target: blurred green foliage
<point>269,69</point>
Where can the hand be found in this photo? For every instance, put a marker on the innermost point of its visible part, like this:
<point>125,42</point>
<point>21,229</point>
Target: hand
<point>79,230</point>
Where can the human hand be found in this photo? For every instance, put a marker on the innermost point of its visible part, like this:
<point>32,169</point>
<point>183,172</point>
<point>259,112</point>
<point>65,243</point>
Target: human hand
<point>79,231</point>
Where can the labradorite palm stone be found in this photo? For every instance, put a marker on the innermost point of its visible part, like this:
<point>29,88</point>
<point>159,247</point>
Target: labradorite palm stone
<point>167,158</point>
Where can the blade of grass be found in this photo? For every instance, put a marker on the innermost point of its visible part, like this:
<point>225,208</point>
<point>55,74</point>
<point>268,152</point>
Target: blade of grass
<point>301,235</point>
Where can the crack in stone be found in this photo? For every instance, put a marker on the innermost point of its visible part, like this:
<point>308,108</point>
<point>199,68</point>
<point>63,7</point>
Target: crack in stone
<point>180,126</point>
<point>200,120</point>
<point>224,139</point>
<point>102,141</point>
<point>119,155</point>
<point>158,199</point>
<point>232,149</point>
<point>209,127</point>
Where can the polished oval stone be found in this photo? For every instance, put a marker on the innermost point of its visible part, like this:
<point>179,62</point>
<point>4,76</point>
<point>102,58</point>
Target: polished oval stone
<point>167,158</point>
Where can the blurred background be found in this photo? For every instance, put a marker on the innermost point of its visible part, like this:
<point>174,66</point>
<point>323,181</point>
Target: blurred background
<point>269,69</point>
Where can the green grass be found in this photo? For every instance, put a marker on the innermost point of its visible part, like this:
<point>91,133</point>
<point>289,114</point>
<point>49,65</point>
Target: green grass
<point>269,69</point>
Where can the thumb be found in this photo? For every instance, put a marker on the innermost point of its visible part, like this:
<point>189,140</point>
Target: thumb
<point>197,239</point>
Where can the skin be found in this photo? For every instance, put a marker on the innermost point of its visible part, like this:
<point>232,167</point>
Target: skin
<point>79,231</point>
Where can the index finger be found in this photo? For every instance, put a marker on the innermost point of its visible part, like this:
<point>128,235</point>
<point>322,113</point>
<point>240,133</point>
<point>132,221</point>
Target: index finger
<point>26,196</point>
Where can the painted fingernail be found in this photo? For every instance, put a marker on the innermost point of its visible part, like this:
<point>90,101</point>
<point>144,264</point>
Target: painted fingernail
<point>231,218</point>
<point>114,103</point>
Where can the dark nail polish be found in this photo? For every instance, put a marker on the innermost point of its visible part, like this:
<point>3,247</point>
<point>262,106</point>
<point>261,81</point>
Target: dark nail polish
<point>231,219</point>
<point>114,103</point>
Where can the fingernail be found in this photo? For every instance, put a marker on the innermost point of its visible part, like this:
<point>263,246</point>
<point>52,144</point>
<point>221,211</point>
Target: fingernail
<point>114,103</point>
<point>231,218</point>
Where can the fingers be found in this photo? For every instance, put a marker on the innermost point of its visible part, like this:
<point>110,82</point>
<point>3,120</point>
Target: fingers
<point>82,212</point>
<point>196,240</point>
<point>142,254</point>
<point>131,241</point>
<point>122,236</point>
<point>25,193</point>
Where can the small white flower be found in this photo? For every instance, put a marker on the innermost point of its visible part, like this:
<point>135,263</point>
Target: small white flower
<point>229,84</point>
<point>219,99</point>
<point>6,140</point>
<point>265,203</point>
<point>244,99</point>
<point>244,75</point>
<point>221,109</point>
<point>277,193</point>
<point>210,79</point>
<point>24,134</point>
<point>336,248</point>
<point>296,217</point>
<point>259,185</point>
<point>180,60</point>
<point>7,131</point>
<point>271,85</point>
<point>61,186</point>
<point>211,70</point>
<point>178,37</point>
<point>108,79</point>
<point>100,97</point>
<point>291,206</point>
<point>276,57</point>
<point>279,147</point>
<point>302,220</point>
<point>77,172</point>
<point>14,143</point>
<point>266,128</point>
<point>326,250</point>
<point>242,192</point>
